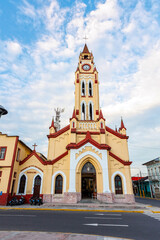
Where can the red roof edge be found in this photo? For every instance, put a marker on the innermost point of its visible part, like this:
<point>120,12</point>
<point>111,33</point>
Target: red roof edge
<point>52,124</point>
<point>85,49</point>
<point>116,133</point>
<point>73,115</point>
<point>101,115</point>
<point>122,125</point>
<point>61,131</point>
<point>30,155</point>
<point>57,159</point>
<point>119,159</point>
<point>86,140</point>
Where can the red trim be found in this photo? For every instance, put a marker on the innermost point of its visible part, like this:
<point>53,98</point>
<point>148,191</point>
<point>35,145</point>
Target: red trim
<point>33,153</point>
<point>43,162</point>
<point>3,199</point>
<point>73,130</point>
<point>102,131</point>
<point>12,165</point>
<point>86,140</point>
<point>119,159</point>
<point>52,124</point>
<point>0,173</point>
<point>73,115</point>
<point>56,134</point>
<point>31,166</point>
<point>78,76</point>
<point>87,65</point>
<point>77,112</point>
<point>5,166</point>
<point>1,159</point>
<point>97,112</point>
<point>96,81</point>
<point>92,133</point>
<point>90,96</point>
<point>83,96</point>
<point>101,116</point>
<point>116,133</point>
<point>57,159</point>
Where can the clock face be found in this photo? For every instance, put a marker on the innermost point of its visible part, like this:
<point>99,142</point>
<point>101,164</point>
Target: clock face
<point>86,67</point>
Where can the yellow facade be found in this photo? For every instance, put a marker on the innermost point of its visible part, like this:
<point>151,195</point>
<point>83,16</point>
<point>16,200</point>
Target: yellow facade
<point>86,159</point>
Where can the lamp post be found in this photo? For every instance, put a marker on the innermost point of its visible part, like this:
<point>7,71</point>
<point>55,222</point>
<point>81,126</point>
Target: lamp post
<point>3,111</point>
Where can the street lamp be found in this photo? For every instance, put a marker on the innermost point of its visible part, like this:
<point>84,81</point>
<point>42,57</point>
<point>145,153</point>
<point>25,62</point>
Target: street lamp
<point>3,111</point>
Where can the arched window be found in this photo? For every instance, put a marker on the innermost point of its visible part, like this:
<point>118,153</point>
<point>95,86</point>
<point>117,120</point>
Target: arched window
<point>118,185</point>
<point>83,91</point>
<point>22,184</point>
<point>37,186</point>
<point>88,168</point>
<point>83,116</point>
<point>73,124</point>
<point>58,184</point>
<point>101,125</point>
<point>90,109</point>
<point>90,90</point>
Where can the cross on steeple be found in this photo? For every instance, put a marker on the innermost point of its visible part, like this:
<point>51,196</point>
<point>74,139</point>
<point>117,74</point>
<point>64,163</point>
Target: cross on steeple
<point>34,145</point>
<point>85,38</point>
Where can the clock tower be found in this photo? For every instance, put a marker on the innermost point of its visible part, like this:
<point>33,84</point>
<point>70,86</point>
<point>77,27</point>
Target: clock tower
<point>86,88</point>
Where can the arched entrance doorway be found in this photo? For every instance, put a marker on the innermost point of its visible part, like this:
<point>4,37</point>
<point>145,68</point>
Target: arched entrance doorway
<point>37,185</point>
<point>88,183</point>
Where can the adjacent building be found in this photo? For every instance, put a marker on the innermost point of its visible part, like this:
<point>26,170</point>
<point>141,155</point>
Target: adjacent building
<point>153,168</point>
<point>86,159</point>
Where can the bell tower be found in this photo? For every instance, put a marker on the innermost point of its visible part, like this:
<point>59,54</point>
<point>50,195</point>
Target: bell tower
<point>86,88</point>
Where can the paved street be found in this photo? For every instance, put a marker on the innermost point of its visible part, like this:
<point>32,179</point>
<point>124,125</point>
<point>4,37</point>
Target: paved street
<point>153,202</point>
<point>125,225</point>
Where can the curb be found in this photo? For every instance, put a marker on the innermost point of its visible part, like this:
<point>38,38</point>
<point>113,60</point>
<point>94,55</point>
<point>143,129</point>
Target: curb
<point>75,210</point>
<point>155,211</point>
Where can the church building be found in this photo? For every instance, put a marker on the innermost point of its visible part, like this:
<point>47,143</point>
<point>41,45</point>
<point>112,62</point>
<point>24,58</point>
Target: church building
<point>86,159</point>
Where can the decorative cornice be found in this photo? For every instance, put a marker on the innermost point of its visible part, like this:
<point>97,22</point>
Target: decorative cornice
<point>126,163</point>
<point>42,161</point>
<point>33,153</point>
<point>86,140</point>
<point>117,134</point>
<point>61,131</point>
<point>57,159</point>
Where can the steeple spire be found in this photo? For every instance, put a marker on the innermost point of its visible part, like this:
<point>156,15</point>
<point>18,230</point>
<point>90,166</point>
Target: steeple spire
<point>85,49</point>
<point>101,115</point>
<point>74,114</point>
<point>122,124</point>
<point>52,124</point>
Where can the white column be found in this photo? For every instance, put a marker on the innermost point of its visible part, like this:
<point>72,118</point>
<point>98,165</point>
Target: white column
<point>72,175</point>
<point>105,172</point>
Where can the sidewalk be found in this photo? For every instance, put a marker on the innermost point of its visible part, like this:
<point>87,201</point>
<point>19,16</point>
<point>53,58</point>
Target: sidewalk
<point>85,206</point>
<point>12,235</point>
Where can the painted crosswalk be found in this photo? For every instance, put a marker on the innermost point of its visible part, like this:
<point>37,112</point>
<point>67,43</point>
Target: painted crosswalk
<point>101,216</point>
<point>153,215</point>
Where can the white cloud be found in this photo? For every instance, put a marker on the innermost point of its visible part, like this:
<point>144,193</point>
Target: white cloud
<point>13,48</point>
<point>28,9</point>
<point>126,48</point>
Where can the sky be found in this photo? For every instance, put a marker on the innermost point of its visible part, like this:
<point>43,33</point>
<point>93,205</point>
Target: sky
<point>40,42</point>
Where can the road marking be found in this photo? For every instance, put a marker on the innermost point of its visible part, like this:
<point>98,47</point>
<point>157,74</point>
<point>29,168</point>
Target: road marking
<point>105,225</point>
<point>108,214</point>
<point>9,215</point>
<point>153,215</point>
<point>103,218</point>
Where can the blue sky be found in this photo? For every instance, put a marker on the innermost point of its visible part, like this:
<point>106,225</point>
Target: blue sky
<point>40,42</point>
